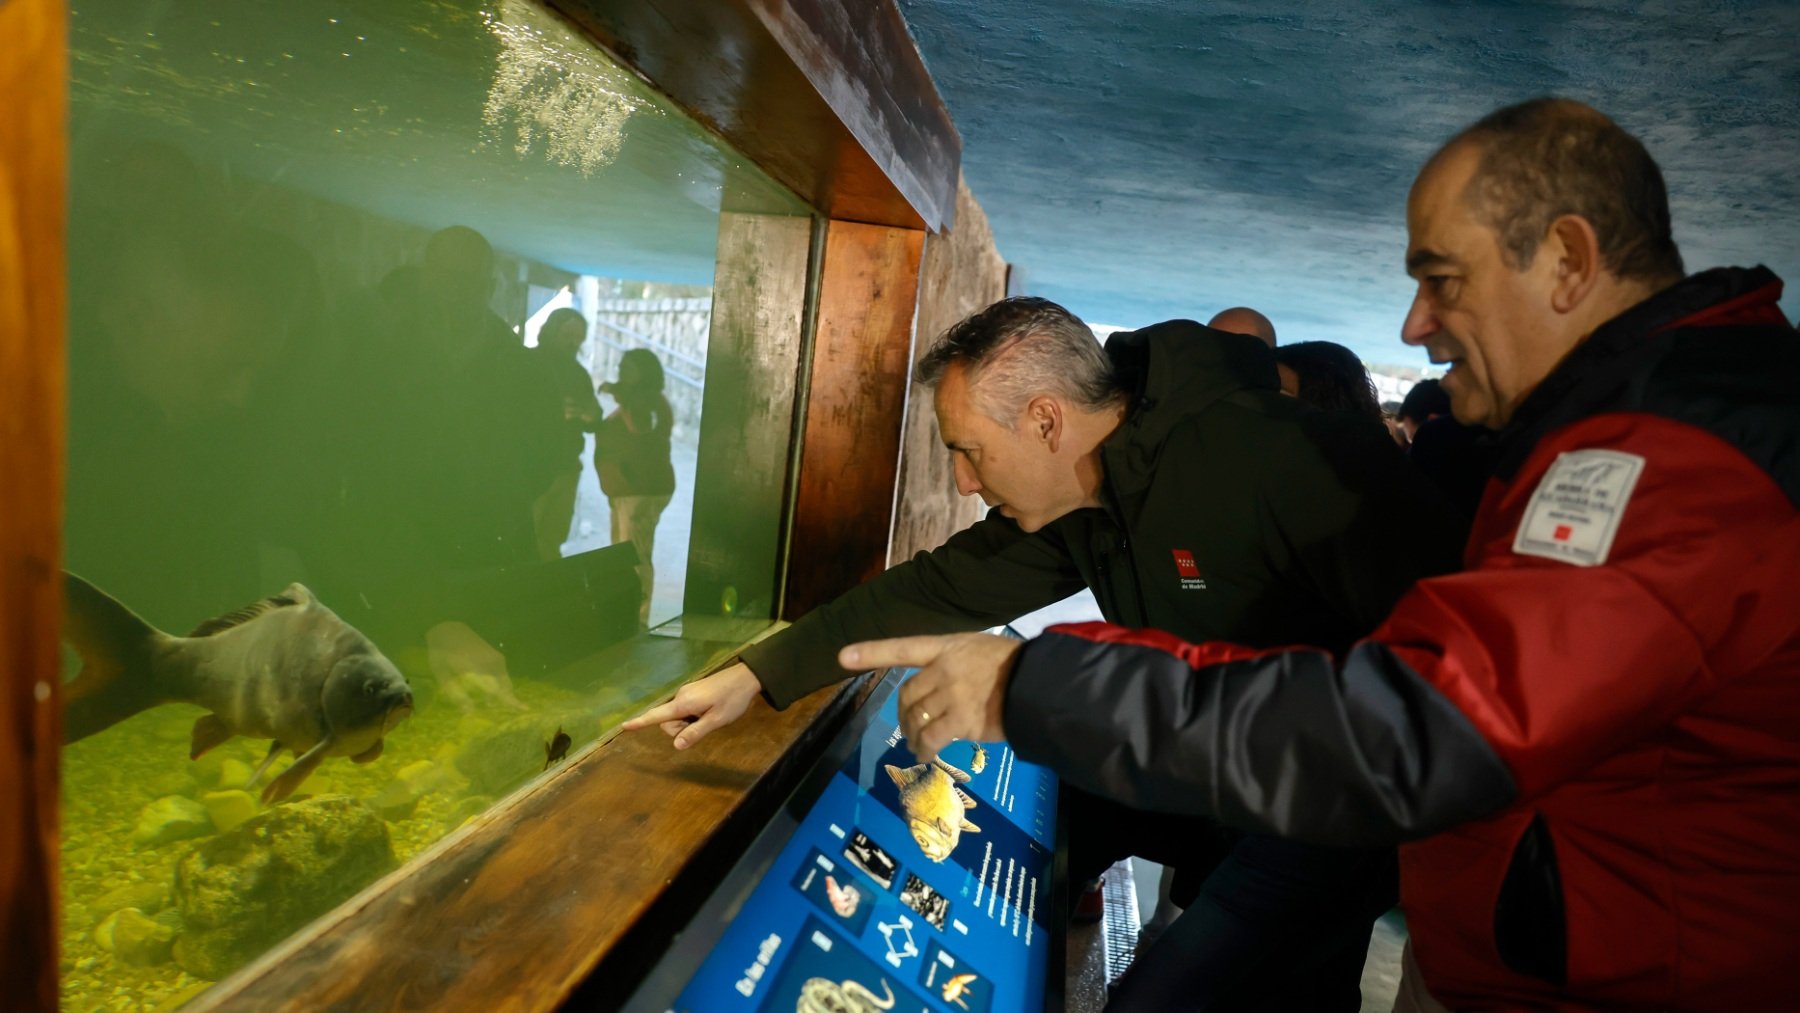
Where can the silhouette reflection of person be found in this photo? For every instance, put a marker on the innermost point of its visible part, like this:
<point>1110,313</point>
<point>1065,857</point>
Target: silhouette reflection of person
<point>559,341</point>
<point>631,457</point>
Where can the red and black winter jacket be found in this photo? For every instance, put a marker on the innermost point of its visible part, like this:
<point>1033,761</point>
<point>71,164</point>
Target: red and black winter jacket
<point>1590,736</point>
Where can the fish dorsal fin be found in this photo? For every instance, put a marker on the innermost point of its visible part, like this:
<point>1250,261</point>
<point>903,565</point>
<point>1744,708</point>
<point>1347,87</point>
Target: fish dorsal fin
<point>901,778</point>
<point>956,774</point>
<point>238,617</point>
<point>967,802</point>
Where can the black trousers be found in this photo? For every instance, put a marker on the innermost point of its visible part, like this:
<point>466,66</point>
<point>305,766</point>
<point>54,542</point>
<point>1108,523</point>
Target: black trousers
<point>1268,924</point>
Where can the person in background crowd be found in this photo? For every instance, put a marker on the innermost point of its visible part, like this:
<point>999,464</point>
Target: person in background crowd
<point>1424,402</point>
<point>1244,320</point>
<point>1166,472</point>
<point>1587,736</point>
<point>1457,458</point>
<point>559,341</point>
<point>1327,376</point>
<point>631,456</point>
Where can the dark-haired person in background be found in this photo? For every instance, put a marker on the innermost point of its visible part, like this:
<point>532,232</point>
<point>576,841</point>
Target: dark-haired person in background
<point>1329,377</point>
<point>559,342</point>
<point>1424,402</point>
<point>1587,737</point>
<point>1457,458</point>
<point>631,455</point>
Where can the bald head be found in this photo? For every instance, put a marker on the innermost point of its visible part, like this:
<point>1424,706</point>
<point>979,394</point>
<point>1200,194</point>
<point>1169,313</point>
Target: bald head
<point>1244,320</point>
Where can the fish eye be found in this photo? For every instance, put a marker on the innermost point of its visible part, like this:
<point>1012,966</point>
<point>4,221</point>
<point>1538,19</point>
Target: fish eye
<point>370,688</point>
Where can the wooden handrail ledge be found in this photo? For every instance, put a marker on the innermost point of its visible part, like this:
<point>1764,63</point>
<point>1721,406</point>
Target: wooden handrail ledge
<point>592,867</point>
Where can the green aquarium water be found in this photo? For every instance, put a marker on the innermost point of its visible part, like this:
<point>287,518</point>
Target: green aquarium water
<point>406,448</point>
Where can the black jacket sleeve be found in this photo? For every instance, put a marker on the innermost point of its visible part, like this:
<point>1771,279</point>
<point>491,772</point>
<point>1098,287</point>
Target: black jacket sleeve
<point>1285,742</point>
<point>987,574</point>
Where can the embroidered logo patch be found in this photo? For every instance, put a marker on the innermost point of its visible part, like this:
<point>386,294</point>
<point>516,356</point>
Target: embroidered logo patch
<point>1575,511</point>
<point>1188,571</point>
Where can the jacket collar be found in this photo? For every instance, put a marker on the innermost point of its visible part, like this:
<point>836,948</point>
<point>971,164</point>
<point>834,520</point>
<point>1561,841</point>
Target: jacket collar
<point>1721,297</point>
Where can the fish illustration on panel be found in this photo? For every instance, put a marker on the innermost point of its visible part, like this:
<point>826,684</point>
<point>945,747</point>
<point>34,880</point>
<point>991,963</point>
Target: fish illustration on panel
<point>934,805</point>
<point>956,987</point>
<point>979,763</point>
<point>285,668</point>
<point>822,995</point>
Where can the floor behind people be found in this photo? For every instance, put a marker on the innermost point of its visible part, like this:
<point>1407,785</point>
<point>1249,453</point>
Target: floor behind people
<point>1093,951</point>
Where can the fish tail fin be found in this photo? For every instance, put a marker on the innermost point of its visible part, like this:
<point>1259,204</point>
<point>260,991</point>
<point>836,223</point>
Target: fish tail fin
<point>116,680</point>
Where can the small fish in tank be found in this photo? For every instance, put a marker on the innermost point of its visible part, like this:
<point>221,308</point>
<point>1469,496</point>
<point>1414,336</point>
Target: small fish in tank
<point>285,668</point>
<point>557,748</point>
<point>934,805</point>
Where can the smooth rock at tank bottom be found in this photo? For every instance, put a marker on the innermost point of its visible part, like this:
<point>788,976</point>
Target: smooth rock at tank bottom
<point>244,891</point>
<point>135,937</point>
<point>171,818</point>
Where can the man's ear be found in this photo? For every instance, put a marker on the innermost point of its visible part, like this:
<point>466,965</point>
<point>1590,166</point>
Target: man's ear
<point>1044,416</point>
<point>1575,245</point>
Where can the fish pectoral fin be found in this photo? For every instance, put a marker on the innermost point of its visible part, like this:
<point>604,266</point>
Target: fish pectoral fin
<point>966,825</point>
<point>291,778</point>
<point>957,774</point>
<point>369,755</point>
<point>967,802</point>
<point>902,778</point>
<point>209,731</point>
<point>263,767</point>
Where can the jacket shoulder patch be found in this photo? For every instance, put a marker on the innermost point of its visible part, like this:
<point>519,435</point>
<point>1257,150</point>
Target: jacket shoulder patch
<point>1575,510</point>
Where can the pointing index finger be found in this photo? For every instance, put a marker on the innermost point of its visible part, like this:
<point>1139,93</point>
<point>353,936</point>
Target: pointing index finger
<point>903,651</point>
<point>671,711</point>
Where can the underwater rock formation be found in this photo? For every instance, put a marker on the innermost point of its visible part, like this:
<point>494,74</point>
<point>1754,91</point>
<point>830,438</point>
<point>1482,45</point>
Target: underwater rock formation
<point>244,891</point>
<point>229,809</point>
<point>171,818</point>
<point>135,937</point>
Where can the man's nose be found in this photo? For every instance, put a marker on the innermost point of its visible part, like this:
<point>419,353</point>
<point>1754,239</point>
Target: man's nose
<point>966,482</point>
<point>1421,321</point>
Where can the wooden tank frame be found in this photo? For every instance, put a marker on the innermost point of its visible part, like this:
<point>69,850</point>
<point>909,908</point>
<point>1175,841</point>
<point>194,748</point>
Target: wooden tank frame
<point>579,877</point>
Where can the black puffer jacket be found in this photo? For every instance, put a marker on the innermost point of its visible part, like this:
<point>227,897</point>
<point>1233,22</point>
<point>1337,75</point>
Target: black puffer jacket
<point>1229,510</point>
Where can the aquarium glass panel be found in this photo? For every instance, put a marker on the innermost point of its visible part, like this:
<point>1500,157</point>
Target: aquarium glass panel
<point>431,390</point>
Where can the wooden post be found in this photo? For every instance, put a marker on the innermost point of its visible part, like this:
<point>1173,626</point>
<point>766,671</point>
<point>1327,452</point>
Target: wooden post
<point>856,401</point>
<point>33,162</point>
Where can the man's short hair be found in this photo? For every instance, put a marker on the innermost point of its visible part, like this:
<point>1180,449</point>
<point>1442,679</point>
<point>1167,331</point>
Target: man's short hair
<point>1550,157</point>
<point>1020,348</point>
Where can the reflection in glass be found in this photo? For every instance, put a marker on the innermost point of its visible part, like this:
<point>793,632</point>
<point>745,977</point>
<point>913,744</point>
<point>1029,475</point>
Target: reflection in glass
<point>401,316</point>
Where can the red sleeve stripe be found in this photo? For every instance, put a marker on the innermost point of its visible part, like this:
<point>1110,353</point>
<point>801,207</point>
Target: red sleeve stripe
<point>1213,652</point>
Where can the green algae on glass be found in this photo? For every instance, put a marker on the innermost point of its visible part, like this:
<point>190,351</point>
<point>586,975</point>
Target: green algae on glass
<point>311,249</point>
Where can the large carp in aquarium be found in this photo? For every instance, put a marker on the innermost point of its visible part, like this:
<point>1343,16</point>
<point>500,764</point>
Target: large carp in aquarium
<point>285,668</point>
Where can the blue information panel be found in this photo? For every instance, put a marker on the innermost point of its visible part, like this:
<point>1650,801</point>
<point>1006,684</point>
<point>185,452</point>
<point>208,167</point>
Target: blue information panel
<point>904,887</point>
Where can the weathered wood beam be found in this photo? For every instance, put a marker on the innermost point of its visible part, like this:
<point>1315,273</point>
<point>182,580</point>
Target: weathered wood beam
<point>830,97</point>
<point>33,165</point>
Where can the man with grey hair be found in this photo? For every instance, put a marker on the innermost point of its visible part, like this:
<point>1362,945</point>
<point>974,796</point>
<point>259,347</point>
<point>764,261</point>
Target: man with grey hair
<point>1168,473</point>
<point>1244,320</point>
